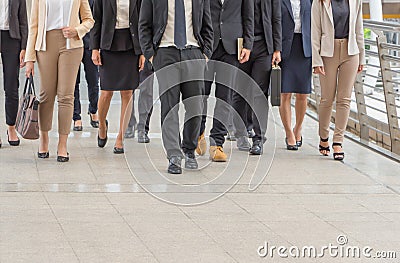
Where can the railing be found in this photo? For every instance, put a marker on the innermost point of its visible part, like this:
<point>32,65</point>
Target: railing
<point>375,106</point>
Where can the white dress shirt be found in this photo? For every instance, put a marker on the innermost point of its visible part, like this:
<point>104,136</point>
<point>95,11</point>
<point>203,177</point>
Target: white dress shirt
<point>122,14</point>
<point>58,14</point>
<point>4,15</point>
<point>296,15</point>
<point>168,37</point>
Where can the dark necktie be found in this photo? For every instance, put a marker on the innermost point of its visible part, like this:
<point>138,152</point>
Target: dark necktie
<point>180,24</point>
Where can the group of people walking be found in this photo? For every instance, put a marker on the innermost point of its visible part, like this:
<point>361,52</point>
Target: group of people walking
<point>131,39</point>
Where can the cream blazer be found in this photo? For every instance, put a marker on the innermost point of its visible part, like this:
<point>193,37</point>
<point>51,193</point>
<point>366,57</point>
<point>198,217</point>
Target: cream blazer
<point>81,19</point>
<point>323,31</point>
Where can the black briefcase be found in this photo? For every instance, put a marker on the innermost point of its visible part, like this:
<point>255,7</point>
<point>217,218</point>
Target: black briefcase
<point>276,85</point>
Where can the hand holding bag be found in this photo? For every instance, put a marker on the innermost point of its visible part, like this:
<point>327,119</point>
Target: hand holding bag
<point>276,85</point>
<point>27,124</point>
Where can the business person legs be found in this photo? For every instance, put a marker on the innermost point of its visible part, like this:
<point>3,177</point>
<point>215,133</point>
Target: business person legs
<point>58,68</point>
<point>170,96</point>
<point>340,75</point>
<point>92,80</point>
<point>10,50</point>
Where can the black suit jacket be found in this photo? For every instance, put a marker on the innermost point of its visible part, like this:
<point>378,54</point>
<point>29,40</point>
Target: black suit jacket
<point>105,16</point>
<point>232,20</point>
<point>272,24</point>
<point>18,21</point>
<point>153,20</point>
<point>288,27</point>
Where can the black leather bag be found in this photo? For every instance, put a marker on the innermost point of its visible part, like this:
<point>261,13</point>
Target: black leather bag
<point>276,85</point>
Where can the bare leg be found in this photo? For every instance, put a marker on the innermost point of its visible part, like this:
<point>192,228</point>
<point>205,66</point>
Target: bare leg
<point>286,116</point>
<point>126,95</point>
<point>104,106</point>
<point>300,107</point>
<point>62,145</point>
<point>12,133</point>
<point>44,142</point>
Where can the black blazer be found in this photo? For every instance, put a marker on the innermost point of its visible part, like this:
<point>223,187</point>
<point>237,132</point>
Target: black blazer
<point>288,27</point>
<point>231,20</point>
<point>153,20</point>
<point>272,24</point>
<point>105,16</point>
<point>18,21</point>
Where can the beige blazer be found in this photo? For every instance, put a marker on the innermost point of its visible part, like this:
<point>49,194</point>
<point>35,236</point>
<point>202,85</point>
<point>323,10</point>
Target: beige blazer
<point>323,31</point>
<point>81,19</point>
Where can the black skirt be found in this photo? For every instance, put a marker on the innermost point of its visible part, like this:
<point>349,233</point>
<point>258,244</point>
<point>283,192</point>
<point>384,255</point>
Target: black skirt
<point>119,70</point>
<point>296,69</point>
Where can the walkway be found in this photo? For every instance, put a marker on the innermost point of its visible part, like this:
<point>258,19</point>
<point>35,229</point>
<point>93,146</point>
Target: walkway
<point>92,209</point>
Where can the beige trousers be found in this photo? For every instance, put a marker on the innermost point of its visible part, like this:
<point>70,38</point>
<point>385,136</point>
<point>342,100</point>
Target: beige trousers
<point>58,68</point>
<point>338,82</point>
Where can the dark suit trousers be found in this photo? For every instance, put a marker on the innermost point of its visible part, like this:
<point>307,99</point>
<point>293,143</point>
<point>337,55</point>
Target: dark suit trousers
<point>259,68</point>
<point>145,103</point>
<point>222,93</point>
<point>170,93</point>
<point>10,49</point>
<point>92,79</point>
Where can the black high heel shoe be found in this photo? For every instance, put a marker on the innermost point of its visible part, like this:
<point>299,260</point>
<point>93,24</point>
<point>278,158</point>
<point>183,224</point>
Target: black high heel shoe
<point>291,147</point>
<point>13,143</point>
<point>45,155</point>
<point>299,143</point>
<point>63,159</point>
<point>340,155</point>
<point>322,148</point>
<point>95,124</point>
<point>118,150</point>
<point>102,142</point>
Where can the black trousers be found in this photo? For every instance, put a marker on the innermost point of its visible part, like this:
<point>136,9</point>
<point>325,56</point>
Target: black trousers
<point>259,68</point>
<point>92,79</point>
<point>10,49</point>
<point>176,79</point>
<point>222,93</point>
<point>145,103</point>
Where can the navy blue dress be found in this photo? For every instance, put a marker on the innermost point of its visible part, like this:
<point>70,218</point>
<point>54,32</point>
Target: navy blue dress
<point>296,62</point>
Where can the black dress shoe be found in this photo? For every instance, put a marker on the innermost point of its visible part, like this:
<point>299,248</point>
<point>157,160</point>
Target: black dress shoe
<point>102,142</point>
<point>118,150</point>
<point>243,143</point>
<point>130,132</point>
<point>63,159</point>
<point>190,161</point>
<point>174,166</point>
<point>257,148</point>
<point>45,155</point>
<point>300,143</point>
<point>291,147</point>
<point>95,124</point>
<point>78,128</point>
<point>13,143</point>
<point>143,137</point>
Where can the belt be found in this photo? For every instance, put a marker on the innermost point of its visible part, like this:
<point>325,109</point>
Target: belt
<point>187,47</point>
<point>258,37</point>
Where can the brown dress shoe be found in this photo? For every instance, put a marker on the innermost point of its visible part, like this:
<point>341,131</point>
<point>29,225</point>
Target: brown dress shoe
<point>217,154</point>
<point>201,145</point>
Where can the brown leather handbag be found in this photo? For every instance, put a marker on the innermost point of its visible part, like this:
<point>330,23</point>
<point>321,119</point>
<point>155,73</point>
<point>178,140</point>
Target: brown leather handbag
<point>27,124</point>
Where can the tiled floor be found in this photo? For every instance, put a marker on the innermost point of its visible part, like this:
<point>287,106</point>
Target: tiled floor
<point>94,209</point>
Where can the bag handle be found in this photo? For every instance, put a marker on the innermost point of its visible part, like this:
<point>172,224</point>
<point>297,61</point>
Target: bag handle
<point>31,88</point>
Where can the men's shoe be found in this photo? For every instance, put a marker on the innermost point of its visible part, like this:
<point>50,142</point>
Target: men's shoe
<point>217,154</point>
<point>231,136</point>
<point>243,144</point>
<point>251,133</point>
<point>174,166</point>
<point>130,132</point>
<point>257,148</point>
<point>143,137</point>
<point>201,145</point>
<point>190,161</point>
